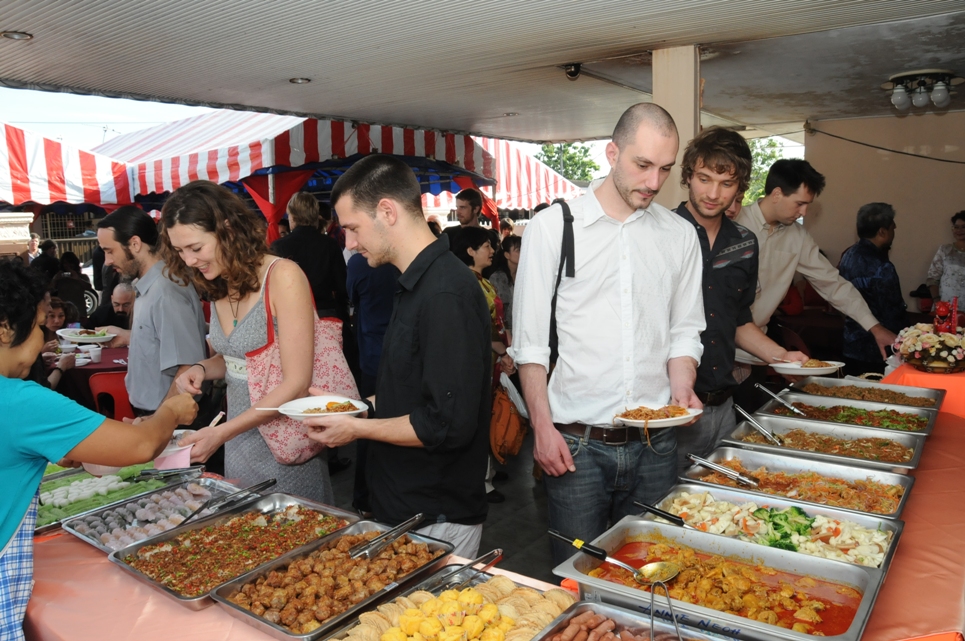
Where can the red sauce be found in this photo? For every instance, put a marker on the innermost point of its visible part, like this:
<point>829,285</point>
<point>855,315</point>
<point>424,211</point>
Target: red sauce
<point>840,601</point>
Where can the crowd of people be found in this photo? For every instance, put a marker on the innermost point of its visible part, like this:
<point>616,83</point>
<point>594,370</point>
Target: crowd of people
<point>607,302</point>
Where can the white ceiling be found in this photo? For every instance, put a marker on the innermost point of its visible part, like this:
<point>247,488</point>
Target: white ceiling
<point>459,65</point>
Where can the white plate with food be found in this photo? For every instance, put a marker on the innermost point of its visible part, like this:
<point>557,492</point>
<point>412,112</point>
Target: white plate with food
<point>747,358</point>
<point>813,367</point>
<point>85,335</point>
<point>667,416</point>
<point>322,406</point>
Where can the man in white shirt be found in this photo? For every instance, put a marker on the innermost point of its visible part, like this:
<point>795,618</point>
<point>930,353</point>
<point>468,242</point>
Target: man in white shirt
<point>629,326</point>
<point>787,248</point>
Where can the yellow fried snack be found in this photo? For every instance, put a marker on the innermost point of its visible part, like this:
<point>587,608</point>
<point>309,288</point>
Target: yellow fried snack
<point>471,599</point>
<point>451,613</point>
<point>430,628</point>
<point>453,633</point>
<point>431,607</point>
<point>506,623</point>
<point>489,613</point>
<point>450,595</point>
<point>473,626</point>
<point>393,634</point>
<point>417,637</point>
<point>492,634</point>
<point>409,621</point>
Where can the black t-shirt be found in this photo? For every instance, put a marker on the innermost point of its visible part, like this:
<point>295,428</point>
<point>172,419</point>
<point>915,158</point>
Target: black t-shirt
<point>729,287</point>
<point>321,259</point>
<point>436,368</point>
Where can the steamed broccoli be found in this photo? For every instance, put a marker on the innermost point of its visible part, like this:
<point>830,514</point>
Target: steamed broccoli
<point>782,544</point>
<point>762,513</point>
<point>798,521</point>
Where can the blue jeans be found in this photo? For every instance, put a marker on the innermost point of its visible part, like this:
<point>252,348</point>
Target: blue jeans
<point>608,478</point>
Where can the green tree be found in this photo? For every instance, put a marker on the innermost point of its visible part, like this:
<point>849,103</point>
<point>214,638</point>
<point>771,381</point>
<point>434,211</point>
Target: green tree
<point>570,159</point>
<point>766,151</point>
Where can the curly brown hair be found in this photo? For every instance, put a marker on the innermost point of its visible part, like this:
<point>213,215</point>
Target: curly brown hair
<point>720,150</point>
<point>240,233</point>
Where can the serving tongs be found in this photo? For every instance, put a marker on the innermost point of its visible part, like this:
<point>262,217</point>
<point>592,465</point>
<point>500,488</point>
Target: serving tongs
<point>164,474</point>
<point>444,582</point>
<point>673,518</point>
<point>749,481</point>
<point>230,499</point>
<point>780,400</point>
<point>773,438</point>
<point>371,549</point>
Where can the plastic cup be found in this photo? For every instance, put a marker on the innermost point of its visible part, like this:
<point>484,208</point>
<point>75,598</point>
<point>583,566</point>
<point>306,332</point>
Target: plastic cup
<point>174,458</point>
<point>67,348</point>
<point>95,354</point>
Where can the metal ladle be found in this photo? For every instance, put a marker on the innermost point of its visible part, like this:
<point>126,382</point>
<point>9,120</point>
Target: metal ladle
<point>650,575</point>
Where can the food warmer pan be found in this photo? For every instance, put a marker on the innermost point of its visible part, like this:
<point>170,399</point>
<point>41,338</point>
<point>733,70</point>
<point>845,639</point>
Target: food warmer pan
<point>828,401</point>
<point>637,625</point>
<point>938,395</point>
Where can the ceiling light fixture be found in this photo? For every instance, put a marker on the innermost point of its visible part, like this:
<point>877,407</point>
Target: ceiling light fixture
<point>917,88</point>
<point>299,81</point>
<point>16,35</point>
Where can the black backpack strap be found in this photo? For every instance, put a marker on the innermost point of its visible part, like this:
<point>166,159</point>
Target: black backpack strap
<point>567,259</point>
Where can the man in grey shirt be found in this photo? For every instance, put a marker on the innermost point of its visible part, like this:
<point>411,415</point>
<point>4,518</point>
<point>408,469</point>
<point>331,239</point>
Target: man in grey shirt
<point>167,332</point>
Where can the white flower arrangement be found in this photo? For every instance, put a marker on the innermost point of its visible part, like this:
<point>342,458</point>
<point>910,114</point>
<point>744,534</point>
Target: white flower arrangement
<point>920,346</point>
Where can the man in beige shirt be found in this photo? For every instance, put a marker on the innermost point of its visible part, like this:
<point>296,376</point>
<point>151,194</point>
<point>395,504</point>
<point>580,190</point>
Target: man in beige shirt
<point>787,248</point>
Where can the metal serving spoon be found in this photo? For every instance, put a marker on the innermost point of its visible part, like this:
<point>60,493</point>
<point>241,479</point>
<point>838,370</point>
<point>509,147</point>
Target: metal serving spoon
<point>773,438</point>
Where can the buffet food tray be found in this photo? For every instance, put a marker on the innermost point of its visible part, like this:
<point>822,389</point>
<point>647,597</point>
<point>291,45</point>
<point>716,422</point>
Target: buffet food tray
<point>626,620</point>
<point>830,401</point>
<point>169,481</point>
<point>865,580</point>
<point>350,616</point>
<point>780,425</point>
<point>924,392</point>
<point>269,504</point>
<point>752,459</point>
<point>217,488</point>
<point>737,497</point>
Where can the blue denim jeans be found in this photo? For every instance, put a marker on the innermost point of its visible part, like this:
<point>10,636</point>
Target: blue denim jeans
<point>608,478</point>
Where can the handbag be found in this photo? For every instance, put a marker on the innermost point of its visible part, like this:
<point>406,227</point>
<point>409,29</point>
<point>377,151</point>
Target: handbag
<point>287,438</point>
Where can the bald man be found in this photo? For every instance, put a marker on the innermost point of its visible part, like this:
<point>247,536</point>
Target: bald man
<point>118,313</point>
<point>629,326</point>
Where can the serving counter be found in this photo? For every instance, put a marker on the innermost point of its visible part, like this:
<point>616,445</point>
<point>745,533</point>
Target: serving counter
<point>79,594</point>
<point>953,384</point>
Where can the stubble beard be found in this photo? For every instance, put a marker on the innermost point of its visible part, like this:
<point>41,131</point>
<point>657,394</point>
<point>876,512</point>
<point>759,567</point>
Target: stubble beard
<point>626,192</point>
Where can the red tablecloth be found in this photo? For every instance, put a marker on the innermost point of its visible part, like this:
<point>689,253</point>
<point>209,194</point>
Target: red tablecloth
<point>954,384</point>
<point>75,383</point>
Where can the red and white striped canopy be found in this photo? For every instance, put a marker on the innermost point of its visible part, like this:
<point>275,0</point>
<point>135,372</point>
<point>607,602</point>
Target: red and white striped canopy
<point>522,181</point>
<point>44,171</point>
<point>225,146</point>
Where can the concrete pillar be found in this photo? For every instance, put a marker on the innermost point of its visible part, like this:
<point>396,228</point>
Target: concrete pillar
<point>676,88</point>
<point>14,231</point>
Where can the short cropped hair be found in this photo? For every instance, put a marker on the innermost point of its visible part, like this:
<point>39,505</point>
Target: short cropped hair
<point>959,216</point>
<point>130,221</point>
<point>644,112</point>
<point>47,244</point>
<point>789,174</point>
<point>471,196</point>
<point>376,177</point>
<point>34,236</point>
<point>720,150</point>
<point>303,209</point>
<point>874,216</point>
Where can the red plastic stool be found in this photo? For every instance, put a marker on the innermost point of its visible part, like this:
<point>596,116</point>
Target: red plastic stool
<point>112,384</point>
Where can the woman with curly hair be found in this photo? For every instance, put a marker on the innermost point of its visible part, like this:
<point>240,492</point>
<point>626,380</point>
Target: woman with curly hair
<point>210,238</point>
<point>57,429</point>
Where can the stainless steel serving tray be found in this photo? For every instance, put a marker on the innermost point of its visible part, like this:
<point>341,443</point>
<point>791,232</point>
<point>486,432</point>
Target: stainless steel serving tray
<point>865,580</point>
<point>269,504</point>
<point>829,401</point>
<point>737,497</point>
<point>216,487</point>
<point>174,480</point>
<point>924,392</point>
<point>780,425</point>
<point>626,620</point>
<point>752,459</point>
<point>222,594</point>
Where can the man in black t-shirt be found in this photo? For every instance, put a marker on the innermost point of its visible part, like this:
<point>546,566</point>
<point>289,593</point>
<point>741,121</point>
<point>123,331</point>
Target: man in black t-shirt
<point>429,444</point>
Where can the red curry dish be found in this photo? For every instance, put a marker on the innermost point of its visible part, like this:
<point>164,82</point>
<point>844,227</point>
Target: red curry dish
<point>756,592</point>
<point>197,561</point>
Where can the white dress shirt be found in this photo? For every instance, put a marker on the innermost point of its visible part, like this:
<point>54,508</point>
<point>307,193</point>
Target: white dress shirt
<point>634,303</point>
<point>786,250</point>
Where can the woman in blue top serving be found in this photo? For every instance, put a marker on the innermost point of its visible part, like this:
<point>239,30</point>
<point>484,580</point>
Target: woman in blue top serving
<point>50,428</point>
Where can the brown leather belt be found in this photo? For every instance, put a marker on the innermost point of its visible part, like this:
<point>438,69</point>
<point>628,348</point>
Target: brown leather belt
<point>608,435</point>
<point>717,397</point>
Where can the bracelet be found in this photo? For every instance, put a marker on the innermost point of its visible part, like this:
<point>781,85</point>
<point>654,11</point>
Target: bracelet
<point>57,369</point>
<point>203,369</point>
